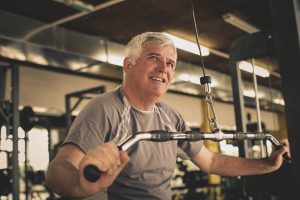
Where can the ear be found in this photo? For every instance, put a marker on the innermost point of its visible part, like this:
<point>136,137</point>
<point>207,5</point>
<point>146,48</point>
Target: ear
<point>127,65</point>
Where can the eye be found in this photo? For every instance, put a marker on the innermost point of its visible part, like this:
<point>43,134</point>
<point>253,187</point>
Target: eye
<point>171,65</point>
<point>153,57</point>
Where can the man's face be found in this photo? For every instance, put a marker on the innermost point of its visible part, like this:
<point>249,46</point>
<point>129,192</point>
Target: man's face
<point>153,71</point>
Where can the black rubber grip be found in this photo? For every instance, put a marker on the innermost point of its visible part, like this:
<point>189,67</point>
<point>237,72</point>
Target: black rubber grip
<point>194,136</point>
<point>92,173</point>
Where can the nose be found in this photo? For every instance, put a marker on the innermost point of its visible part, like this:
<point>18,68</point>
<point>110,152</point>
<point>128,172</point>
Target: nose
<point>162,66</point>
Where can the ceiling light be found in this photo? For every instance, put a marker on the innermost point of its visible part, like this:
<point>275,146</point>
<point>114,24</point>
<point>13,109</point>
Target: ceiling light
<point>184,77</point>
<point>187,45</point>
<point>259,71</point>
<point>251,93</point>
<point>37,58</point>
<point>39,109</point>
<point>189,78</point>
<point>115,60</point>
<point>193,79</point>
<point>279,101</point>
<point>11,52</point>
<point>75,65</point>
<point>112,59</point>
<point>239,23</point>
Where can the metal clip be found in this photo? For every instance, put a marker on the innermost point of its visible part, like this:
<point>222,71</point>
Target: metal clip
<point>211,115</point>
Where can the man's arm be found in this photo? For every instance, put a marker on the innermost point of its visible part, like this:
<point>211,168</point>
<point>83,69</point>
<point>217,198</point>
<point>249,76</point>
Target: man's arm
<point>64,175</point>
<point>223,165</point>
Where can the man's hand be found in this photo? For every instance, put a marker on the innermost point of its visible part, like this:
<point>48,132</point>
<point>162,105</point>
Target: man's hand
<point>286,143</point>
<point>109,160</point>
<point>276,158</point>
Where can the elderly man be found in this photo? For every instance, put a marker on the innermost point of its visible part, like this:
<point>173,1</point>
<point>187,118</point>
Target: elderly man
<point>145,171</point>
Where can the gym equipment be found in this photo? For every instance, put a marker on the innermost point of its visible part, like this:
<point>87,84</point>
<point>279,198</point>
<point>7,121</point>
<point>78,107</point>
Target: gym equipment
<point>27,118</point>
<point>92,173</point>
<point>79,96</point>
<point>5,182</point>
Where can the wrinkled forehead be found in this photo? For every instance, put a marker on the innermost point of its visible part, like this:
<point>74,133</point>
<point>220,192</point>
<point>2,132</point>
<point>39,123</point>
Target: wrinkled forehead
<point>147,45</point>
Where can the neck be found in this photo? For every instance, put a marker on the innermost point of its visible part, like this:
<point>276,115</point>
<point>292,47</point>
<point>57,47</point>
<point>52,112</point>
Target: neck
<point>136,99</point>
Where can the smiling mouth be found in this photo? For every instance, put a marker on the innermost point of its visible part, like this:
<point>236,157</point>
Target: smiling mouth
<point>156,78</point>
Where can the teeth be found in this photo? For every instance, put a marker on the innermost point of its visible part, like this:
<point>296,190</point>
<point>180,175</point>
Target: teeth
<point>157,79</point>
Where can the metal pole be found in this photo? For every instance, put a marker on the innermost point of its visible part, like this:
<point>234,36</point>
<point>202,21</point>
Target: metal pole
<point>2,82</point>
<point>51,153</point>
<point>26,167</point>
<point>239,106</point>
<point>259,128</point>
<point>15,126</point>
<point>286,24</point>
<point>68,112</point>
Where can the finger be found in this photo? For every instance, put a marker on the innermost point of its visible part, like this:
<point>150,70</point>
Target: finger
<point>112,159</point>
<point>281,147</point>
<point>99,164</point>
<point>109,152</point>
<point>287,151</point>
<point>285,141</point>
<point>124,158</point>
<point>284,153</point>
<point>102,158</point>
<point>124,161</point>
<point>281,150</point>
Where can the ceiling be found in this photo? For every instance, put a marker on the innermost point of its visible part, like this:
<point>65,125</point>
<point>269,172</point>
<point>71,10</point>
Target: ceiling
<point>119,20</point>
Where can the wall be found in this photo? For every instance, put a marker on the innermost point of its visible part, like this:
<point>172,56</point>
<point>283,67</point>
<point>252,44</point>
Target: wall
<point>189,107</point>
<point>42,88</point>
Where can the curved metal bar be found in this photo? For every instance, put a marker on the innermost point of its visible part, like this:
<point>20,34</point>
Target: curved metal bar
<point>93,174</point>
<point>130,141</point>
<point>161,136</point>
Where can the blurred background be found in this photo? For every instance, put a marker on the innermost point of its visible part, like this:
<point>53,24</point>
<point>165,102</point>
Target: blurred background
<point>55,55</point>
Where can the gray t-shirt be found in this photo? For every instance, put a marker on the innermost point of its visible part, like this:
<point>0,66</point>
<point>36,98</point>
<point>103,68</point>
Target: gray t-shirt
<point>151,166</point>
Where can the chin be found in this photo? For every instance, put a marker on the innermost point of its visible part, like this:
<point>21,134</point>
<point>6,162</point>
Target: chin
<point>160,93</point>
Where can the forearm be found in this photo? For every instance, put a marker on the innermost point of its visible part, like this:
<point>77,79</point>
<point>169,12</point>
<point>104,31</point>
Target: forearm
<point>236,166</point>
<point>63,178</point>
<point>64,174</point>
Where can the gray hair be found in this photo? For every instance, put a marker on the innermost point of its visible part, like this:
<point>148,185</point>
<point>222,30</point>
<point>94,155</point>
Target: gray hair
<point>135,46</point>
